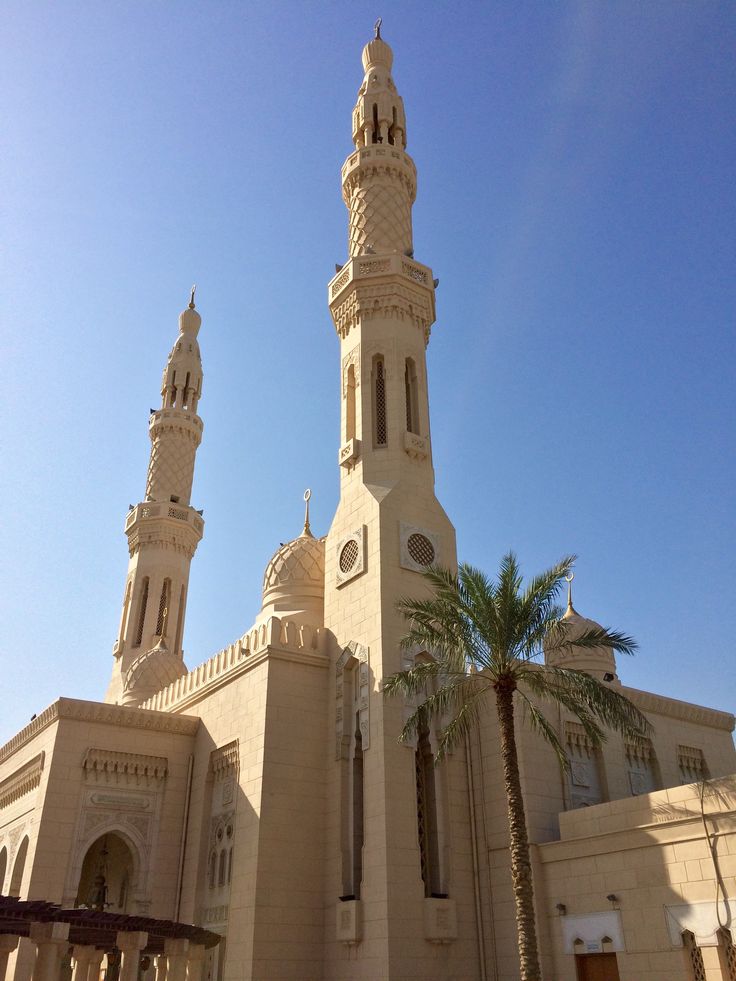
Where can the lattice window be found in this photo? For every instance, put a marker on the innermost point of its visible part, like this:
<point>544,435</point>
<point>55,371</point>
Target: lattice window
<point>163,606</point>
<point>379,404</point>
<point>420,549</point>
<point>427,820</point>
<point>727,954</point>
<point>349,555</point>
<point>693,957</point>
<point>350,404</point>
<point>412,401</point>
<point>422,816</point>
<point>141,613</point>
<point>692,764</point>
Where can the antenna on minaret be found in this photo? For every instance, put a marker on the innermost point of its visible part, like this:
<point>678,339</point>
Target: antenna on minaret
<point>307,530</point>
<point>377,28</point>
<point>568,580</point>
<point>191,298</point>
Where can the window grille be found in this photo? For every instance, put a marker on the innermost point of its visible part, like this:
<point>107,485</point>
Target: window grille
<point>727,954</point>
<point>349,555</point>
<point>420,549</point>
<point>162,606</point>
<point>141,613</point>
<point>381,429</point>
<point>694,957</point>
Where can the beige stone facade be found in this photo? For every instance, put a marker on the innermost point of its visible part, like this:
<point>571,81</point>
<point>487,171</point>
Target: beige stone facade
<point>264,794</point>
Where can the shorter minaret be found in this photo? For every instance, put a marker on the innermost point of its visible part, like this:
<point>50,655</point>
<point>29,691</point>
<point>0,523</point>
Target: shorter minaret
<point>163,532</point>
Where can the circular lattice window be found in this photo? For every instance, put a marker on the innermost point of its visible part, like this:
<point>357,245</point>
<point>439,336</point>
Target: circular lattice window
<point>349,555</point>
<point>420,548</point>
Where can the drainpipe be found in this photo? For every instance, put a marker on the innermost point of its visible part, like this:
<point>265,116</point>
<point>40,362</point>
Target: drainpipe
<point>184,828</point>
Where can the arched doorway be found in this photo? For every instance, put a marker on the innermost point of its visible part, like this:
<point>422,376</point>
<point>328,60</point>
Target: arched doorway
<point>19,866</point>
<point>106,881</point>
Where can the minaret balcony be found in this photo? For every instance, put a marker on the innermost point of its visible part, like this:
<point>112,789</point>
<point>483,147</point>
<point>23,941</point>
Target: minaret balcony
<point>378,154</point>
<point>377,268</point>
<point>181,419</point>
<point>169,512</point>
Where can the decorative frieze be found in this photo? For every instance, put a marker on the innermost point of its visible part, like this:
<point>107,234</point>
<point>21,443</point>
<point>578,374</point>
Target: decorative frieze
<point>25,779</point>
<point>108,766</point>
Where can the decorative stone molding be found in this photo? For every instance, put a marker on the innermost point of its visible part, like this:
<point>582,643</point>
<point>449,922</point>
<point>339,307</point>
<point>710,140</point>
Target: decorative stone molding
<point>225,760</point>
<point>419,547</point>
<point>348,921</point>
<point>118,715</point>
<point>108,766</point>
<point>25,779</point>
<point>350,556</point>
<point>354,656</point>
<point>672,708</point>
<point>391,300</point>
<point>417,447</point>
<point>348,453</point>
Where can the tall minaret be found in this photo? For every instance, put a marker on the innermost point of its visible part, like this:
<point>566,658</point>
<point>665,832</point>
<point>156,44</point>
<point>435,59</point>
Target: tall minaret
<point>163,532</point>
<point>395,837</point>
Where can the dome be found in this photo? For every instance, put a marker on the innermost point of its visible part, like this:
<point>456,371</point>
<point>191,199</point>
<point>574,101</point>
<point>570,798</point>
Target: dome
<point>377,52</point>
<point>596,661</point>
<point>294,580</point>
<point>150,672</point>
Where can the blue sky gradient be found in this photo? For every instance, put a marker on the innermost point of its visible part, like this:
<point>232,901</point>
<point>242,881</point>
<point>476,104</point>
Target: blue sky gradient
<point>576,200</point>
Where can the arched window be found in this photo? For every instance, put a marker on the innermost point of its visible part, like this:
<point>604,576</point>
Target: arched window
<point>412,400</point>
<point>351,780</point>
<point>187,393</point>
<point>357,803</point>
<point>163,606</point>
<point>141,613</point>
<point>16,879</point>
<point>124,617</point>
<point>350,404</point>
<point>376,138</point>
<point>380,428</point>
<point>429,852</point>
<point>3,867</point>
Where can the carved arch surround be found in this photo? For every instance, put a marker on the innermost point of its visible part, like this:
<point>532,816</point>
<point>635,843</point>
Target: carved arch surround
<point>139,886</point>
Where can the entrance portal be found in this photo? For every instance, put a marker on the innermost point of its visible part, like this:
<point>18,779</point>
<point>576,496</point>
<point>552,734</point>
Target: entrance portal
<point>597,967</point>
<point>107,876</point>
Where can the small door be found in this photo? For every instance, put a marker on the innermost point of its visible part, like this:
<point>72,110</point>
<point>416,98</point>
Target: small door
<point>597,967</point>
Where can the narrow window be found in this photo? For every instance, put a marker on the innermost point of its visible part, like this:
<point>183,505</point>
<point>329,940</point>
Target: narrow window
<point>230,865</point>
<point>380,429</point>
<point>412,401</point>
<point>392,128</point>
<point>357,809</point>
<point>141,613</point>
<point>187,393</point>
<point>427,815</point>
<point>221,868</point>
<point>212,872</point>
<point>376,138</point>
<point>180,621</point>
<point>123,623</point>
<point>163,606</point>
<point>350,404</point>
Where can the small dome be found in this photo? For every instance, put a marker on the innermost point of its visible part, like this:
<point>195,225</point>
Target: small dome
<point>150,672</point>
<point>596,661</point>
<point>190,321</point>
<point>294,580</point>
<point>377,52</point>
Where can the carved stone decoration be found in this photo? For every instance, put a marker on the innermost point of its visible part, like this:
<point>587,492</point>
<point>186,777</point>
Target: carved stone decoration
<point>354,656</point>
<point>25,779</point>
<point>110,767</point>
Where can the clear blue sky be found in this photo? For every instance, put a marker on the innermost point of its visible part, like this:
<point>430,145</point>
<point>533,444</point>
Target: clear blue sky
<point>576,200</point>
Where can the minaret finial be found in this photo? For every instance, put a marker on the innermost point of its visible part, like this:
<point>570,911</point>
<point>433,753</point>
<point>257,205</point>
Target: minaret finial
<point>307,530</point>
<point>377,27</point>
<point>191,298</point>
<point>568,580</point>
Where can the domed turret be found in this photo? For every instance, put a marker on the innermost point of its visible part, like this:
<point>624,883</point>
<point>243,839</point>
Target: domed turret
<point>600,662</point>
<point>294,580</point>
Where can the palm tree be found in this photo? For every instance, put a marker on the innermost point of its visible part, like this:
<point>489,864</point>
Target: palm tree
<point>486,640</point>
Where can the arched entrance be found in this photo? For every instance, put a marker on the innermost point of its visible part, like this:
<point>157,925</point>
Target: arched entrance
<point>107,878</point>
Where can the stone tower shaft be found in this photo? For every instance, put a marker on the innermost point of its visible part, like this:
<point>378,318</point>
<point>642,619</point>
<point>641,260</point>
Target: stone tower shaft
<point>163,532</point>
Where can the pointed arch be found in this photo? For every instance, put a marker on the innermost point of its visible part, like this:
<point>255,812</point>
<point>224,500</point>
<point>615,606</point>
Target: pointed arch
<point>19,866</point>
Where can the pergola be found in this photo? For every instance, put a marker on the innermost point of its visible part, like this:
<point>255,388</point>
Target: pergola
<point>179,948</point>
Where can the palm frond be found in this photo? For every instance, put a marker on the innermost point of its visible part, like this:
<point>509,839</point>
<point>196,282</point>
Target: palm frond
<point>541,724</point>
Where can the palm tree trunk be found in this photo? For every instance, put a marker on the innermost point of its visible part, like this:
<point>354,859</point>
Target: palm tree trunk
<point>521,868</point>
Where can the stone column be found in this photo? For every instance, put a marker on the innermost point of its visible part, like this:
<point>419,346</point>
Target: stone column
<point>8,943</point>
<point>51,940</point>
<point>176,952</point>
<point>161,965</point>
<point>82,955</point>
<point>130,945</point>
<point>95,963</point>
<point>195,962</point>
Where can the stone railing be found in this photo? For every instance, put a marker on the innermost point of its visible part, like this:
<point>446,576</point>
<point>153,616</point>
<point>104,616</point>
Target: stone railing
<point>164,509</point>
<point>286,635</point>
<point>368,267</point>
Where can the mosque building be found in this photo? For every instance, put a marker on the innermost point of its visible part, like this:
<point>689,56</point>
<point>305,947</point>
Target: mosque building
<point>264,796</point>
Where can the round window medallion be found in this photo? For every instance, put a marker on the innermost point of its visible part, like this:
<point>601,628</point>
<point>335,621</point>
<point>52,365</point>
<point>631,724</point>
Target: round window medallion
<point>420,548</point>
<point>348,555</point>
